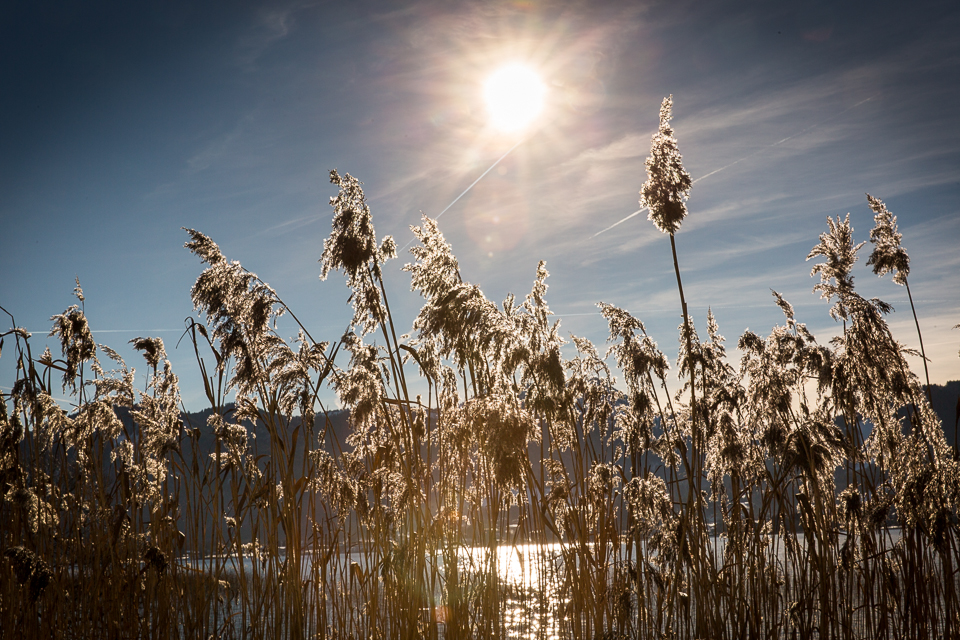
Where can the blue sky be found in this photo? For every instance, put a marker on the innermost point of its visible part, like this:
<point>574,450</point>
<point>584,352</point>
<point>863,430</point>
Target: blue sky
<point>123,122</point>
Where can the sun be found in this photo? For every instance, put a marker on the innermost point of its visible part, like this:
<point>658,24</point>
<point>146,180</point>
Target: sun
<point>514,96</point>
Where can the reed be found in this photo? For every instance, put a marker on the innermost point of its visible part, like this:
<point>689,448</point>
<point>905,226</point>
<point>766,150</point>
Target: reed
<point>490,487</point>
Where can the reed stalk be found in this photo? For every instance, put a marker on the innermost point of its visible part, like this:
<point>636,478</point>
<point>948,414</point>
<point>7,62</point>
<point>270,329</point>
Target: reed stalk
<point>489,486</point>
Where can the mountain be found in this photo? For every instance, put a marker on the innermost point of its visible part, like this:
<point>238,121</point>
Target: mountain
<point>946,403</point>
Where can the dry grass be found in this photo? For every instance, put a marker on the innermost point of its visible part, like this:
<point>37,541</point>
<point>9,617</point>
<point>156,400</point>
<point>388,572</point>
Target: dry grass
<point>807,493</point>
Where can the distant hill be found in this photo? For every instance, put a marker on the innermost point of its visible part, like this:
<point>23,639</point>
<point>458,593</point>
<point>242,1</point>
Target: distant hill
<point>334,428</point>
<point>946,402</point>
<point>338,432</point>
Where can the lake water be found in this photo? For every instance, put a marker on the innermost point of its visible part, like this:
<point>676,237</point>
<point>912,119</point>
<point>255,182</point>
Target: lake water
<point>530,578</point>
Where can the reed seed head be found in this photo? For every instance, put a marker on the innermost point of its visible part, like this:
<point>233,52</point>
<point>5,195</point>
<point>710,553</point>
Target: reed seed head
<point>668,184</point>
<point>888,254</point>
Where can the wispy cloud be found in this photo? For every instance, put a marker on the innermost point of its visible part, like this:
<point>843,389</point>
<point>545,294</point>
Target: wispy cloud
<point>212,151</point>
<point>289,226</point>
<point>271,25</point>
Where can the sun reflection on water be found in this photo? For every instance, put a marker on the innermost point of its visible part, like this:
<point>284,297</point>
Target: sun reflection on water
<point>529,573</point>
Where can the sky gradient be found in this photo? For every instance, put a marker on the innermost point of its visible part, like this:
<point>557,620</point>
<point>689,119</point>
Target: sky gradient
<point>123,122</point>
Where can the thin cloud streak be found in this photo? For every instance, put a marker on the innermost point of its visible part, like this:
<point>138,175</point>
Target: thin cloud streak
<point>141,331</point>
<point>746,157</point>
<point>63,401</point>
<point>618,223</point>
<point>472,184</point>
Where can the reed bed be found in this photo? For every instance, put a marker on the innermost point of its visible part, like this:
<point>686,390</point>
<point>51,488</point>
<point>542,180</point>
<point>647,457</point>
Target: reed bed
<point>490,487</point>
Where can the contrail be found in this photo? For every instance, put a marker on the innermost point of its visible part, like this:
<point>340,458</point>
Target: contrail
<point>54,398</point>
<point>635,213</point>
<point>749,155</point>
<point>135,330</point>
<point>489,169</point>
<point>124,331</point>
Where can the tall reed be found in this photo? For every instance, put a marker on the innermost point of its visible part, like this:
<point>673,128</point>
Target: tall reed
<point>490,486</point>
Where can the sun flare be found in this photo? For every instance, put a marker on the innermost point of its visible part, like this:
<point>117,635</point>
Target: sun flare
<point>514,96</point>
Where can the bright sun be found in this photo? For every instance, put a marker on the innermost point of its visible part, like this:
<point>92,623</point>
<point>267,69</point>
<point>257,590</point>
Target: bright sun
<point>514,96</point>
